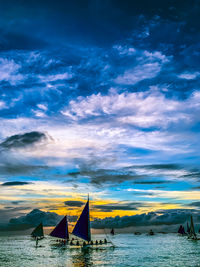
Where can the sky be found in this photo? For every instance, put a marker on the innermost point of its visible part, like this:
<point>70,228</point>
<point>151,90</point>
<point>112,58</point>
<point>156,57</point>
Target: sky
<point>100,97</point>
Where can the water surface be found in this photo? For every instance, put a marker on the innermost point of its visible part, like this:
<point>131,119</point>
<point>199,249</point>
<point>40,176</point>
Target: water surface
<point>148,251</point>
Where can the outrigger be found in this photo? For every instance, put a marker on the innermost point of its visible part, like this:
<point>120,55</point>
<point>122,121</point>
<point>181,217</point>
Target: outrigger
<point>82,230</point>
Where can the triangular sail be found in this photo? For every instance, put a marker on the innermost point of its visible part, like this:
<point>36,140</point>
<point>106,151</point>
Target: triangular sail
<point>82,227</point>
<point>61,229</point>
<point>38,231</point>
<point>180,229</point>
<point>192,230</point>
<point>188,228</point>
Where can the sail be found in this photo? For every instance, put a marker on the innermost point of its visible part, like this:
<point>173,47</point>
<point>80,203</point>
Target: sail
<point>188,228</point>
<point>61,229</point>
<point>183,231</point>
<point>192,230</point>
<point>82,227</point>
<point>180,229</point>
<point>38,231</point>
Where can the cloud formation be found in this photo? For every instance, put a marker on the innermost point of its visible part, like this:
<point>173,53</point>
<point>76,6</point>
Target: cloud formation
<point>74,203</point>
<point>14,183</point>
<point>165,217</point>
<point>23,140</point>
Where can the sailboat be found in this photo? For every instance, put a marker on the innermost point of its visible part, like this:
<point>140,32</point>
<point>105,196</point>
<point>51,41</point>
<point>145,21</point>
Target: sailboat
<point>181,230</point>
<point>38,233</point>
<point>192,234</point>
<point>82,230</point>
<point>61,231</point>
<point>112,232</point>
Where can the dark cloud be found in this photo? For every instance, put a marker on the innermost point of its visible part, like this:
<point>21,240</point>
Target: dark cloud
<point>23,140</point>
<point>74,203</point>
<point>14,183</point>
<point>32,219</point>
<point>118,206</point>
<point>164,217</point>
<point>136,174</point>
<point>194,204</point>
<point>153,182</point>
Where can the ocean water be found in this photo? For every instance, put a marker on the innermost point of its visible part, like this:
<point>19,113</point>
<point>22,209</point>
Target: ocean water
<point>131,250</point>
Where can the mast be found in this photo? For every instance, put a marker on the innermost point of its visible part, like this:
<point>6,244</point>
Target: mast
<point>61,229</point>
<point>82,227</point>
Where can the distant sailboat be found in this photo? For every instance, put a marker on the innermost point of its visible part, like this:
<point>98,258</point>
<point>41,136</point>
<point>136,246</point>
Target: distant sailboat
<point>61,230</point>
<point>112,232</point>
<point>181,230</point>
<point>150,232</point>
<point>192,234</point>
<point>38,233</point>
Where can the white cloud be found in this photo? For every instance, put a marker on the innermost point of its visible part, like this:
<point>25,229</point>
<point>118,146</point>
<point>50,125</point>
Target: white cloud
<point>142,109</point>
<point>139,73</point>
<point>148,66</point>
<point>9,71</point>
<point>55,77</point>
<point>189,75</point>
<point>2,105</point>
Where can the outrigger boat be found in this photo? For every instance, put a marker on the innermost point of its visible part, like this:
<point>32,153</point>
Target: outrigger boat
<point>81,230</point>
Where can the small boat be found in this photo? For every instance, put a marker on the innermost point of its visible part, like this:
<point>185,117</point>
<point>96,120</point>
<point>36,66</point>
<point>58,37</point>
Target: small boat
<point>181,230</point>
<point>38,233</point>
<point>192,234</point>
<point>151,232</point>
<point>61,232</point>
<point>112,232</point>
<point>137,233</point>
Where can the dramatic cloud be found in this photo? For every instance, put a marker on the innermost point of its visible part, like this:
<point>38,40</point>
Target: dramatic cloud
<point>165,217</point>
<point>118,206</point>
<point>23,140</point>
<point>33,218</point>
<point>104,105</point>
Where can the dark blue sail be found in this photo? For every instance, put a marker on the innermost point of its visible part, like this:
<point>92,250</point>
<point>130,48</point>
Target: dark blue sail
<point>82,227</point>
<point>61,230</point>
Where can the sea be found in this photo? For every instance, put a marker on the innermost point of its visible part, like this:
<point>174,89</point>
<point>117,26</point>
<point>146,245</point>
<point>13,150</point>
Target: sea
<point>130,250</point>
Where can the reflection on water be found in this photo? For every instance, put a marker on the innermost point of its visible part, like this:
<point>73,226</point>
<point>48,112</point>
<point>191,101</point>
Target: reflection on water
<point>82,259</point>
<point>132,250</point>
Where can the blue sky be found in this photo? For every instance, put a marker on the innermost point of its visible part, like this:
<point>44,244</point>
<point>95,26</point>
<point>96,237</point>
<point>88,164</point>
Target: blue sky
<point>100,97</point>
